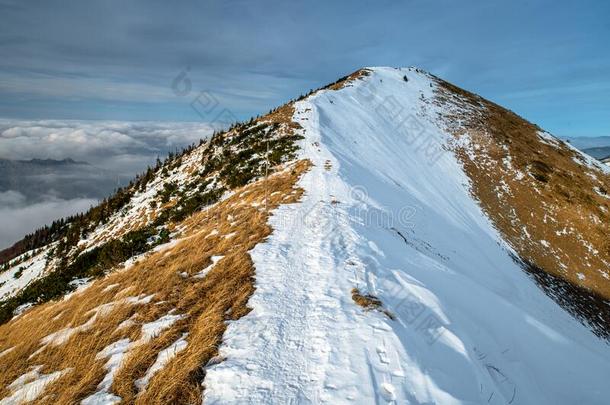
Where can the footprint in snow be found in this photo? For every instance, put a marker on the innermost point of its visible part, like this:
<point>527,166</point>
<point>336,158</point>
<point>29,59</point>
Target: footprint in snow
<point>388,392</point>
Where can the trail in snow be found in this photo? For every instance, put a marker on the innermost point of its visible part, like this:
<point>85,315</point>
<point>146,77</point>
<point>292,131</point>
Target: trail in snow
<point>299,286</point>
<point>384,215</point>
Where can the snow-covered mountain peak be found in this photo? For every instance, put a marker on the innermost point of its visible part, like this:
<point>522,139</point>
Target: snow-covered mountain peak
<point>389,238</point>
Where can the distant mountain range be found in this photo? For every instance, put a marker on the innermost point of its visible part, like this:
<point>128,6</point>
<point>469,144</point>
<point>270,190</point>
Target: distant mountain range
<point>600,153</point>
<point>588,142</point>
<point>598,147</point>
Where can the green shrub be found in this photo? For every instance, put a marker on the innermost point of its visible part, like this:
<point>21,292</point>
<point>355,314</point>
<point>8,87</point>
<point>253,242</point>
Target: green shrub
<point>19,272</point>
<point>92,263</point>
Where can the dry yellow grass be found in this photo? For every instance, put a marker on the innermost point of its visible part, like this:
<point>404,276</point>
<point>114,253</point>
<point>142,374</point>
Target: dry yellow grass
<point>365,301</point>
<point>206,303</point>
<point>548,207</point>
<point>282,115</point>
<point>358,74</point>
<point>561,196</point>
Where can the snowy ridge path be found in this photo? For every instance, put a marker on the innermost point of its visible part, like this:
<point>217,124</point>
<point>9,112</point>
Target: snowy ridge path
<point>313,339</point>
<point>470,327</point>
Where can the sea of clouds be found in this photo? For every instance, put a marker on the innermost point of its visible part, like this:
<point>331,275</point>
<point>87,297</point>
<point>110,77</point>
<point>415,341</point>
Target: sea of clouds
<point>122,146</point>
<point>116,150</point>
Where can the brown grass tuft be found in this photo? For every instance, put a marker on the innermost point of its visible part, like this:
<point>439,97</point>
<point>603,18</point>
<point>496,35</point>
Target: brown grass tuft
<point>369,302</point>
<point>365,301</point>
<point>345,81</point>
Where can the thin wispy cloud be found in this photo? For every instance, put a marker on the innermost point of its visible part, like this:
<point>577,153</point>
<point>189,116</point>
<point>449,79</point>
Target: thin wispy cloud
<point>111,60</point>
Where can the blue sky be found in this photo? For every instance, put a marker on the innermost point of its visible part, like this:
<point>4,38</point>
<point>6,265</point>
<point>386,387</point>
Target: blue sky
<point>549,61</point>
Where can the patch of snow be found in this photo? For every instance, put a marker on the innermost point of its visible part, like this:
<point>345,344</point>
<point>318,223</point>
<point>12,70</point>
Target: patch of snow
<point>79,282</point>
<point>22,308</point>
<point>166,246</point>
<point>115,352</point>
<point>81,285</point>
<point>29,386</point>
<point>127,323</point>
<point>110,287</point>
<point>601,193</point>
<point>587,161</point>
<point>7,351</point>
<point>61,336</point>
<point>20,275</point>
<point>204,272</point>
<point>163,358</point>
<point>154,328</point>
<point>214,232</point>
<point>140,300</point>
<point>549,139</point>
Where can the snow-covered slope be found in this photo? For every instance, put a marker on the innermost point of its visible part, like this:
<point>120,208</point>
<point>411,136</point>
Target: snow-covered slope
<point>388,211</point>
<point>21,271</point>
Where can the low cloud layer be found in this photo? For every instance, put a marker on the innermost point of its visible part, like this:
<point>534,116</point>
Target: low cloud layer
<point>34,194</point>
<point>125,147</point>
<point>19,219</point>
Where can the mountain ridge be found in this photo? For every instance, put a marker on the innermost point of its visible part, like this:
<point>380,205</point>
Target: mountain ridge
<point>600,153</point>
<point>390,189</point>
